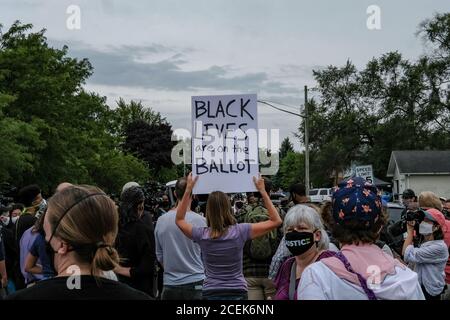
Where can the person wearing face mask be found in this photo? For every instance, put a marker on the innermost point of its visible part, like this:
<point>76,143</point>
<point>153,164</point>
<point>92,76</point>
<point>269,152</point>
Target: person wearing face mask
<point>431,256</point>
<point>360,270</point>
<point>135,243</point>
<point>31,197</point>
<point>307,241</point>
<point>283,253</point>
<point>80,226</point>
<point>11,250</point>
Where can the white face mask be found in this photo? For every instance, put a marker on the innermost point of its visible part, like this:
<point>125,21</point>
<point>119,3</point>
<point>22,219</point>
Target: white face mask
<point>425,228</point>
<point>7,219</point>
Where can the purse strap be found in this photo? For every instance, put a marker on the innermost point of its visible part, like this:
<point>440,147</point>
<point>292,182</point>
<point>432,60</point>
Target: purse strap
<point>292,280</point>
<point>363,282</point>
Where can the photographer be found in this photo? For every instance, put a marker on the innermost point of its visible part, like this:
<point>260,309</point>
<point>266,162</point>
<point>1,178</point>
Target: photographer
<point>432,255</point>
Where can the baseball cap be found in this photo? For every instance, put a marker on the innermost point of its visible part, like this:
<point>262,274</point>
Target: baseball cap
<point>436,216</point>
<point>408,193</point>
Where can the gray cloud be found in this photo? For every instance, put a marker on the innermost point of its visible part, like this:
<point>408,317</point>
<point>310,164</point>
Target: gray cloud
<point>118,66</point>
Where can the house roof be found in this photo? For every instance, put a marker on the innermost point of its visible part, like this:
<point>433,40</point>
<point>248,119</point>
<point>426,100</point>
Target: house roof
<point>419,162</point>
<point>380,183</point>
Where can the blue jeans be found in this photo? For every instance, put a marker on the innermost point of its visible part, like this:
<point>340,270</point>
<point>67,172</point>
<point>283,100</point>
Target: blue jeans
<point>228,297</point>
<point>189,291</point>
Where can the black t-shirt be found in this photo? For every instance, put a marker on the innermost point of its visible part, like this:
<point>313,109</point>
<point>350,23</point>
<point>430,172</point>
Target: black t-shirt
<point>136,246</point>
<point>57,289</point>
<point>25,222</point>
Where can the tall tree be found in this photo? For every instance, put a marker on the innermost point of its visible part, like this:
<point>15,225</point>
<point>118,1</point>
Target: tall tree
<point>286,146</point>
<point>150,142</point>
<point>391,104</point>
<point>292,169</point>
<point>56,131</point>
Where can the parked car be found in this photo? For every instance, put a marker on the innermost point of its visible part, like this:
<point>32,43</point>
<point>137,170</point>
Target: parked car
<point>170,188</point>
<point>394,211</point>
<point>320,195</point>
<point>277,197</point>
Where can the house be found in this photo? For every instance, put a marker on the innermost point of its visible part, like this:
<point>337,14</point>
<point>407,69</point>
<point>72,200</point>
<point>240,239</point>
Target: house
<point>420,171</point>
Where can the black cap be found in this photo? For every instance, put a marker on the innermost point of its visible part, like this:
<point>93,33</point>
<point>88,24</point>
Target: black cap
<point>408,193</point>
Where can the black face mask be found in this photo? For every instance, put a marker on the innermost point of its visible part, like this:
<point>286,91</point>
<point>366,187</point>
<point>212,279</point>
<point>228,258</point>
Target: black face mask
<point>299,242</point>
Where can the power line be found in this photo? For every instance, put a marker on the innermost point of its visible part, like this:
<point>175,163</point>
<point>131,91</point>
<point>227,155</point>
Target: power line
<point>281,104</point>
<point>279,109</point>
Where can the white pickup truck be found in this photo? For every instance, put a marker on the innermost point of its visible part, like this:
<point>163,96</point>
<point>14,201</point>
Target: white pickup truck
<point>320,195</point>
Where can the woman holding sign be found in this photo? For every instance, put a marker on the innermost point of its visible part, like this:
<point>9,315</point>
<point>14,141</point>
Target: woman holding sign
<point>223,240</point>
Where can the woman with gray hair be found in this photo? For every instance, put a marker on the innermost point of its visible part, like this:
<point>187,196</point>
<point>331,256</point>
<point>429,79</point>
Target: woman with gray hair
<point>307,241</point>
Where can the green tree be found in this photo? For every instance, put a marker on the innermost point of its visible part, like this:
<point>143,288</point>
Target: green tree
<point>55,130</point>
<point>19,143</point>
<point>127,113</point>
<point>292,169</point>
<point>391,104</point>
<point>285,148</point>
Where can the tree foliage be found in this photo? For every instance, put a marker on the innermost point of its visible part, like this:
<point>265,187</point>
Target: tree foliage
<point>391,104</point>
<point>51,129</point>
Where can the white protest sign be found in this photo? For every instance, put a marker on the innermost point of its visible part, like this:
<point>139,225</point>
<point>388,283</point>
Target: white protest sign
<point>365,172</point>
<point>224,143</point>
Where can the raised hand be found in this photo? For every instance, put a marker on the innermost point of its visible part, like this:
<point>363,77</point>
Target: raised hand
<point>191,181</point>
<point>259,183</point>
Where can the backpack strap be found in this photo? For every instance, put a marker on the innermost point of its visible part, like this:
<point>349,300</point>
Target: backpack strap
<point>370,294</point>
<point>292,280</point>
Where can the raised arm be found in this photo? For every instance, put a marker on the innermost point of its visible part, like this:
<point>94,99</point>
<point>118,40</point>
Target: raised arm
<point>261,228</point>
<point>185,227</point>
<point>409,238</point>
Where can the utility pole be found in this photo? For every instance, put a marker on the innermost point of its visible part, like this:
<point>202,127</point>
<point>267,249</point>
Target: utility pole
<point>306,143</point>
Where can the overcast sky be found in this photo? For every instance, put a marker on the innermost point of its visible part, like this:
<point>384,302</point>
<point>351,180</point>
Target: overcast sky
<point>163,52</point>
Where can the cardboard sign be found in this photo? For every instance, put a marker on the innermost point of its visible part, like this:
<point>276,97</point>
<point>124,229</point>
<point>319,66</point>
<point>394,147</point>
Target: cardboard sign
<point>224,143</point>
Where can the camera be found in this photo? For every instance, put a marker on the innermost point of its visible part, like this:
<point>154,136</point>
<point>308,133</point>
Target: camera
<point>153,193</point>
<point>7,194</point>
<point>400,227</point>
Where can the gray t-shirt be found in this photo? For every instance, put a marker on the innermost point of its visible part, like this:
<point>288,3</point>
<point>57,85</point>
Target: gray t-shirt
<point>179,255</point>
<point>222,257</point>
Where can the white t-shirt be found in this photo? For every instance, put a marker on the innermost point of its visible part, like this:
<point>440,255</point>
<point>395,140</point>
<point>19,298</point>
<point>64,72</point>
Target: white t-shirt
<point>318,282</point>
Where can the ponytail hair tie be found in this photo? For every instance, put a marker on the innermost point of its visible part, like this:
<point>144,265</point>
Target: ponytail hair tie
<point>108,247</point>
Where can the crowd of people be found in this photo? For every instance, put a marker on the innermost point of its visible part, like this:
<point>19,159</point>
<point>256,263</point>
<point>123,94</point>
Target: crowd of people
<point>80,244</point>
